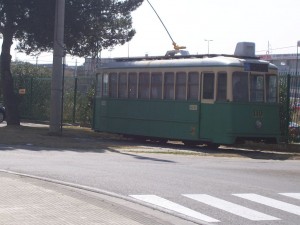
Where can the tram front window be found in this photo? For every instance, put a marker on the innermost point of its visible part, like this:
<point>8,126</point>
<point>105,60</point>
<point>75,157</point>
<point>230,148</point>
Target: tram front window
<point>257,88</point>
<point>271,88</point>
<point>240,87</point>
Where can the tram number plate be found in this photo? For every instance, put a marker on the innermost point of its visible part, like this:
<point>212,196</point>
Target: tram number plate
<point>193,107</point>
<point>258,113</point>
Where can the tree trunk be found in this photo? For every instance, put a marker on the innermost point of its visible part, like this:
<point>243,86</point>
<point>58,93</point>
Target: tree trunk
<point>10,98</point>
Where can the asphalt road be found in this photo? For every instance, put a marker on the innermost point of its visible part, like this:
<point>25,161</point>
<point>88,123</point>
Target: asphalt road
<point>219,190</point>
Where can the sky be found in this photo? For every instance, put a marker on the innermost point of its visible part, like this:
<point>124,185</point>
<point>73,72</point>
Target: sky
<point>274,25</point>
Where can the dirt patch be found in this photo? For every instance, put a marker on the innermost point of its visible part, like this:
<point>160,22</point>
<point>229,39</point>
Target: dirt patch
<point>72,137</point>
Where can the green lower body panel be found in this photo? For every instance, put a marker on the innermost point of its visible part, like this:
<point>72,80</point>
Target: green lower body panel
<point>226,123</point>
<point>221,123</point>
<point>163,119</point>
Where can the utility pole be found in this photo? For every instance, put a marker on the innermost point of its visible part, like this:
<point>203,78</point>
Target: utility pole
<point>208,45</point>
<point>297,58</point>
<point>57,71</point>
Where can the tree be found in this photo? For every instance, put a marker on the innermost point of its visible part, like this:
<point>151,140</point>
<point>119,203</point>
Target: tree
<point>90,26</point>
<point>26,70</point>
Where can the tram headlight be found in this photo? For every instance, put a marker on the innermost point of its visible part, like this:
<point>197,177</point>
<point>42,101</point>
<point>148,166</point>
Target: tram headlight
<point>258,124</point>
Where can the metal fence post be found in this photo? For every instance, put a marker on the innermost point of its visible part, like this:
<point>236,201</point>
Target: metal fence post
<point>75,99</point>
<point>288,106</point>
<point>31,96</point>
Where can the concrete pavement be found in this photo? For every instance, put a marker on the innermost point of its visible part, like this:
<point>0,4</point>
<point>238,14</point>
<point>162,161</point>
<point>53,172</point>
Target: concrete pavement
<point>29,201</point>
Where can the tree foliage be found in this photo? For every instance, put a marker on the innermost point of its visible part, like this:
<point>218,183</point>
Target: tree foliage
<point>28,70</point>
<point>90,26</point>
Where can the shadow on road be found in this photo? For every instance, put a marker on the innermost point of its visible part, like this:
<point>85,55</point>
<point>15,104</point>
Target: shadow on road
<point>85,140</point>
<point>231,151</point>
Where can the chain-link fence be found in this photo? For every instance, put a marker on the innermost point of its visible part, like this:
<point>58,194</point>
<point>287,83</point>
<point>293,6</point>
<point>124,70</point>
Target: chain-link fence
<point>35,94</point>
<point>290,106</point>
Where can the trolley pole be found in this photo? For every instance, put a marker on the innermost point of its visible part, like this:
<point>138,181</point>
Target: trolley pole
<point>57,72</point>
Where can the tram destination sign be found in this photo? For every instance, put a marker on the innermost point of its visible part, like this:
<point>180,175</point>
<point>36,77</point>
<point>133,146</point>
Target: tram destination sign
<point>256,67</point>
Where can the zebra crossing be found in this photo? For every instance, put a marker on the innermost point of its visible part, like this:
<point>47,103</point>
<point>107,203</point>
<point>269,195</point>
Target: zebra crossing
<point>224,205</point>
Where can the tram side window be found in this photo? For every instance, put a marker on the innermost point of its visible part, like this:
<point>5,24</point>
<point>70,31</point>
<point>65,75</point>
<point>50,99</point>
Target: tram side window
<point>180,92</point>
<point>240,87</point>
<point>99,85</point>
<point>144,83</point>
<point>222,87</point>
<point>132,85</point>
<point>113,85</point>
<point>156,85</point>
<point>257,88</point>
<point>208,85</point>
<point>105,85</point>
<point>271,88</point>
<point>169,86</point>
<point>122,86</point>
<point>193,86</point>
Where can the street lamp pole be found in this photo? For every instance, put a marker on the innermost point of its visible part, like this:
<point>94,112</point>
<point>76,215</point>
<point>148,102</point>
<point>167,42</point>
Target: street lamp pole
<point>208,45</point>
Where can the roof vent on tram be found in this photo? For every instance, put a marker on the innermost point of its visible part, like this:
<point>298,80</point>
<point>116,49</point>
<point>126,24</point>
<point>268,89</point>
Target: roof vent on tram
<point>245,49</point>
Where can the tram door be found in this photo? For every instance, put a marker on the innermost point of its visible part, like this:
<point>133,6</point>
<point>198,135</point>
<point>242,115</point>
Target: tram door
<point>194,106</point>
<point>214,100</point>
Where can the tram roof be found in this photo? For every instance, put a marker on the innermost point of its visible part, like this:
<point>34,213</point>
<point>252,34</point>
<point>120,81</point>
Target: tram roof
<point>184,61</point>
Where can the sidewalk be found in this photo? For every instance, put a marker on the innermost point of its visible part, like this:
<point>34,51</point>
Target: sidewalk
<point>27,201</point>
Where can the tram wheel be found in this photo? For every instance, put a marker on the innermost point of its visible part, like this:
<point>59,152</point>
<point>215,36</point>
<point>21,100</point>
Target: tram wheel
<point>190,143</point>
<point>158,140</point>
<point>213,145</point>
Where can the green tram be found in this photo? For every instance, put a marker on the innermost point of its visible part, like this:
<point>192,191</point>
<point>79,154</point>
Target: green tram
<point>210,99</point>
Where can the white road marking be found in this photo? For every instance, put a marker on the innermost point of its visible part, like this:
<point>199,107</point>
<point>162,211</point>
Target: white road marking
<point>158,201</point>
<point>271,202</point>
<point>231,207</point>
<point>292,195</point>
